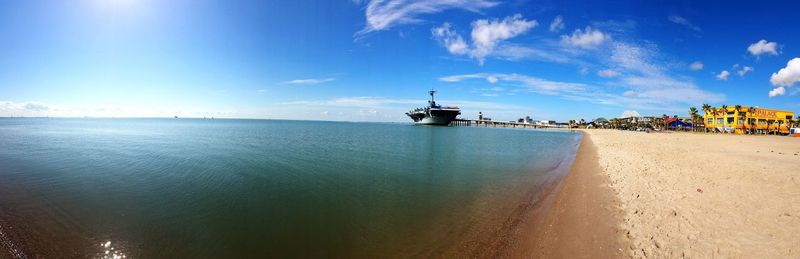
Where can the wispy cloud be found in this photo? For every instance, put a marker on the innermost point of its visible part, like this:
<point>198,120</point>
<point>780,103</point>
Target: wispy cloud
<point>608,73</point>
<point>639,79</point>
<point>486,36</point>
<point>42,109</point>
<point>683,21</point>
<point>360,101</point>
<point>385,14</point>
<point>557,24</point>
<point>653,83</point>
<point>310,81</point>
<point>744,71</point>
<point>531,83</point>
<point>696,66</point>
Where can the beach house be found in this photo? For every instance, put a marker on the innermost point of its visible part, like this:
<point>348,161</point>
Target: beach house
<point>741,119</point>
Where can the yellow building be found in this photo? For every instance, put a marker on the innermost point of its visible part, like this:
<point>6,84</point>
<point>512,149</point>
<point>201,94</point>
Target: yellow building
<point>748,119</point>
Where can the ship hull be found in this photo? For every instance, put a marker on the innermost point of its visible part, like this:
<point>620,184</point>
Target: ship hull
<point>434,117</point>
<point>438,121</point>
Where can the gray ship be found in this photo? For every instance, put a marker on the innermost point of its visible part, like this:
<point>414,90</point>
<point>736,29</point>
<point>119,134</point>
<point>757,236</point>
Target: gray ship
<point>434,114</point>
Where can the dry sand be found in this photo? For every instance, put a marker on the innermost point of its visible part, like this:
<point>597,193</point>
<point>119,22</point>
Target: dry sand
<point>704,195</point>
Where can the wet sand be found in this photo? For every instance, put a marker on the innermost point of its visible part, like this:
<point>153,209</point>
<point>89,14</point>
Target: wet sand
<point>580,218</point>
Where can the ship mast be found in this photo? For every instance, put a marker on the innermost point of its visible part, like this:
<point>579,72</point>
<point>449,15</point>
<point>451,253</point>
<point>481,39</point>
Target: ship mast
<point>432,102</point>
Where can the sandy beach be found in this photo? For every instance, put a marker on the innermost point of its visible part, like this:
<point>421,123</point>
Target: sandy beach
<point>674,195</point>
<point>703,195</point>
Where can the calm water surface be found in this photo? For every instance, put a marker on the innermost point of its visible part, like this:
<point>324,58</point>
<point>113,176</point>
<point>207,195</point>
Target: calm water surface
<point>247,188</point>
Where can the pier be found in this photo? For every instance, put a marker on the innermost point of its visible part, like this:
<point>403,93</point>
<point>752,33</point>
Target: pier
<point>501,124</point>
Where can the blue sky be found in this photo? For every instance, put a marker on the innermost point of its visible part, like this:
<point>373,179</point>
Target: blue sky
<point>373,60</point>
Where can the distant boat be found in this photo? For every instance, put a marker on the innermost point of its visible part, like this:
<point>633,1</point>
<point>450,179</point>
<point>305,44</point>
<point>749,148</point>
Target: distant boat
<point>176,116</point>
<point>434,114</point>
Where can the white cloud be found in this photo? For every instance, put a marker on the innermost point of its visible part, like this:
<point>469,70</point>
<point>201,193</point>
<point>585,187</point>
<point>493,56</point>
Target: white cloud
<point>788,75</point>
<point>763,47</point>
<point>588,39</point>
<point>777,91</point>
<point>683,21</point>
<point>486,35</point>
<point>491,79</point>
<point>557,24</point>
<point>584,71</point>
<point>744,71</point>
<point>310,81</point>
<point>695,66</point>
<point>454,43</point>
<point>629,94</point>
<point>608,73</point>
<point>382,14</point>
<point>723,75</point>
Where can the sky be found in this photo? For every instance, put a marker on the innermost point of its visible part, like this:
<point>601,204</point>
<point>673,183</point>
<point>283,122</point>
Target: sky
<point>374,60</point>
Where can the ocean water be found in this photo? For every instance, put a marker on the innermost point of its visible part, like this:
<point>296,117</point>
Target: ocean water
<point>179,188</point>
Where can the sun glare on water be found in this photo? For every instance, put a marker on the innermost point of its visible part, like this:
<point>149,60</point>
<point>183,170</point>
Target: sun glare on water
<point>110,252</point>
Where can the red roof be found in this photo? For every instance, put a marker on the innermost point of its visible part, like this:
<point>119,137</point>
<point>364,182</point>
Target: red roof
<point>669,120</point>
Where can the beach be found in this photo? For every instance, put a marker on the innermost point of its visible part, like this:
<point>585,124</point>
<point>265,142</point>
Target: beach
<point>688,195</point>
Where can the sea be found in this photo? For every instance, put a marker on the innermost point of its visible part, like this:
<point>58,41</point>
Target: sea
<point>231,188</point>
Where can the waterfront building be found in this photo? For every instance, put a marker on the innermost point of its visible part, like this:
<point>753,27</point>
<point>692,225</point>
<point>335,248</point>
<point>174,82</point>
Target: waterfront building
<point>741,120</point>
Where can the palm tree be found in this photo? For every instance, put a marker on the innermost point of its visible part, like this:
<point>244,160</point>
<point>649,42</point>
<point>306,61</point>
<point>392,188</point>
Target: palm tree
<point>706,111</point>
<point>693,114</point>
<point>739,116</point>
<point>725,116</point>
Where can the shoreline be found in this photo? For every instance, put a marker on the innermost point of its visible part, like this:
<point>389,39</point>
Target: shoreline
<point>580,217</point>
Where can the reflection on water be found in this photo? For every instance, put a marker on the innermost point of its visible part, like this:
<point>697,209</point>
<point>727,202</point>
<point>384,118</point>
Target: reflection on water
<point>258,188</point>
<point>110,252</point>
